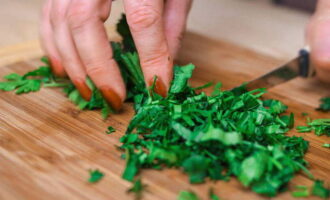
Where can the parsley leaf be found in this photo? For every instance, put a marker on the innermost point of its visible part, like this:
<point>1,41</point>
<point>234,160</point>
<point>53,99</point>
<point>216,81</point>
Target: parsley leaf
<point>110,130</point>
<point>95,176</point>
<point>326,145</point>
<point>187,195</point>
<point>137,188</point>
<point>319,189</point>
<point>319,126</point>
<point>301,191</point>
<point>325,105</point>
<point>181,76</point>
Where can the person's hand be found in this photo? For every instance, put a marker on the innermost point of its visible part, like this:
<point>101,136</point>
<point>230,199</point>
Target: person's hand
<point>318,38</point>
<point>74,38</point>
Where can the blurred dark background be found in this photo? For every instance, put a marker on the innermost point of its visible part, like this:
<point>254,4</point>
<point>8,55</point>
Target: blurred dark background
<point>308,5</point>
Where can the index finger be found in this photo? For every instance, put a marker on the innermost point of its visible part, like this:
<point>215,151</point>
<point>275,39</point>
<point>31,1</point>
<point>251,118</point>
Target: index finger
<point>91,40</point>
<point>145,19</point>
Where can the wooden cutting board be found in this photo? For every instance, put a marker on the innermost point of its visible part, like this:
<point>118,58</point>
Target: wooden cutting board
<point>47,145</point>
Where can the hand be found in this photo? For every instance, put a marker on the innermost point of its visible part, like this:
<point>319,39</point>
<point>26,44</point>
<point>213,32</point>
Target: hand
<point>73,36</point>
<point>318,37</point>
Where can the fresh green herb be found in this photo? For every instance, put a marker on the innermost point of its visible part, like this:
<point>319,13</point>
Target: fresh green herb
<point>29,82</point>
<point>320,190</point>
<point>95,176</point>
<point>325,105</point>
<point>212,195</point>
<point>301,191</point>
<point>124,31</point>
<point>326,145</point>
<point>319,126</point>
<point>187,195</point>
<point>110,130</point>
<point>137,188</point>
<point>229,134</point>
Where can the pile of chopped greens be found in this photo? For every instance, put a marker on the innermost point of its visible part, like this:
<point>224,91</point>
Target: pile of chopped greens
<point>209,137</point>
<point>230,133</point>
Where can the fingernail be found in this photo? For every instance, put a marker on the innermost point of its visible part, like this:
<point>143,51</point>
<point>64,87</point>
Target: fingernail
<point>159,87</point>
<point>112,98</point>
<point>83,89</point>
<point>57,67</point>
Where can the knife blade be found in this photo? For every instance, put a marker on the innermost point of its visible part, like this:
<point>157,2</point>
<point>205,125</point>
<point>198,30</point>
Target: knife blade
<point>300,66</point>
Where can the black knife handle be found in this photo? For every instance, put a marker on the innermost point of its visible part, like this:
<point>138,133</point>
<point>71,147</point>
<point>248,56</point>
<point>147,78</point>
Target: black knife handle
<point>304,63</point>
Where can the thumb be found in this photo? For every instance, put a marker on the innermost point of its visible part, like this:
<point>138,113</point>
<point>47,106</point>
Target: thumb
<point>318,37</point>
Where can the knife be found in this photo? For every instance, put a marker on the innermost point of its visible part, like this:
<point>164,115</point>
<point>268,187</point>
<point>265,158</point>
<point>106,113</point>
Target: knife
<point>300,66</point>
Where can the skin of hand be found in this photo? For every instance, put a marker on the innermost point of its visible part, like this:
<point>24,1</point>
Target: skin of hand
<point>73,36</point>
<point>318,38</point>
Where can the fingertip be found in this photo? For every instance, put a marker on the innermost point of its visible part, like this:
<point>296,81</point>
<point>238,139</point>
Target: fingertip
<point>321,61</point>
<point>162,69</point>
<point>83,89</point>
<point>160,87</point>
<point>112,98</point>
<point>323,75</point>
<point>57,67</point>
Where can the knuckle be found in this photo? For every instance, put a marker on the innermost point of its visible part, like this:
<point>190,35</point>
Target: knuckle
<point>143,17</point>
<point>79,16</point>
<point>96,68</point>
<point>155,59</point>
<point>57,16</point>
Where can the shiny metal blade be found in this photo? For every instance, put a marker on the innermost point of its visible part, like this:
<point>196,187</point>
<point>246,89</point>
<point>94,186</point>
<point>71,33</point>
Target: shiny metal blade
<point>280,75</point>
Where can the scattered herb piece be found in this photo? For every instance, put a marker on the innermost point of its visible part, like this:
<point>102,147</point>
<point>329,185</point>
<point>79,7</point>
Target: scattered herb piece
<point>320,190</point>
<point>95,176</point>
<point>326,145</point>
<point>301,191</point>
<point>325,104</point>
<point>137,188</point>
<point>187,195</point>
<point>110,130</point>
<point>29,82</point>
<point>319,126</point>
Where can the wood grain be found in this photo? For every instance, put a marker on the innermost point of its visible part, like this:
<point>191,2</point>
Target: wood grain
<point>47,146</point>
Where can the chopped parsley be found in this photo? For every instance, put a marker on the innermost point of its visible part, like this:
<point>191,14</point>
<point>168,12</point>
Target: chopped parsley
<point>301,191</point>
<point>320,190</point>
<point>110,130</point>
<point>319,126</point>
<point>137,188</point>
<point>95,176</point>
<point>187,195</point>
<point>327,145</point>
<point>325,104</point>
